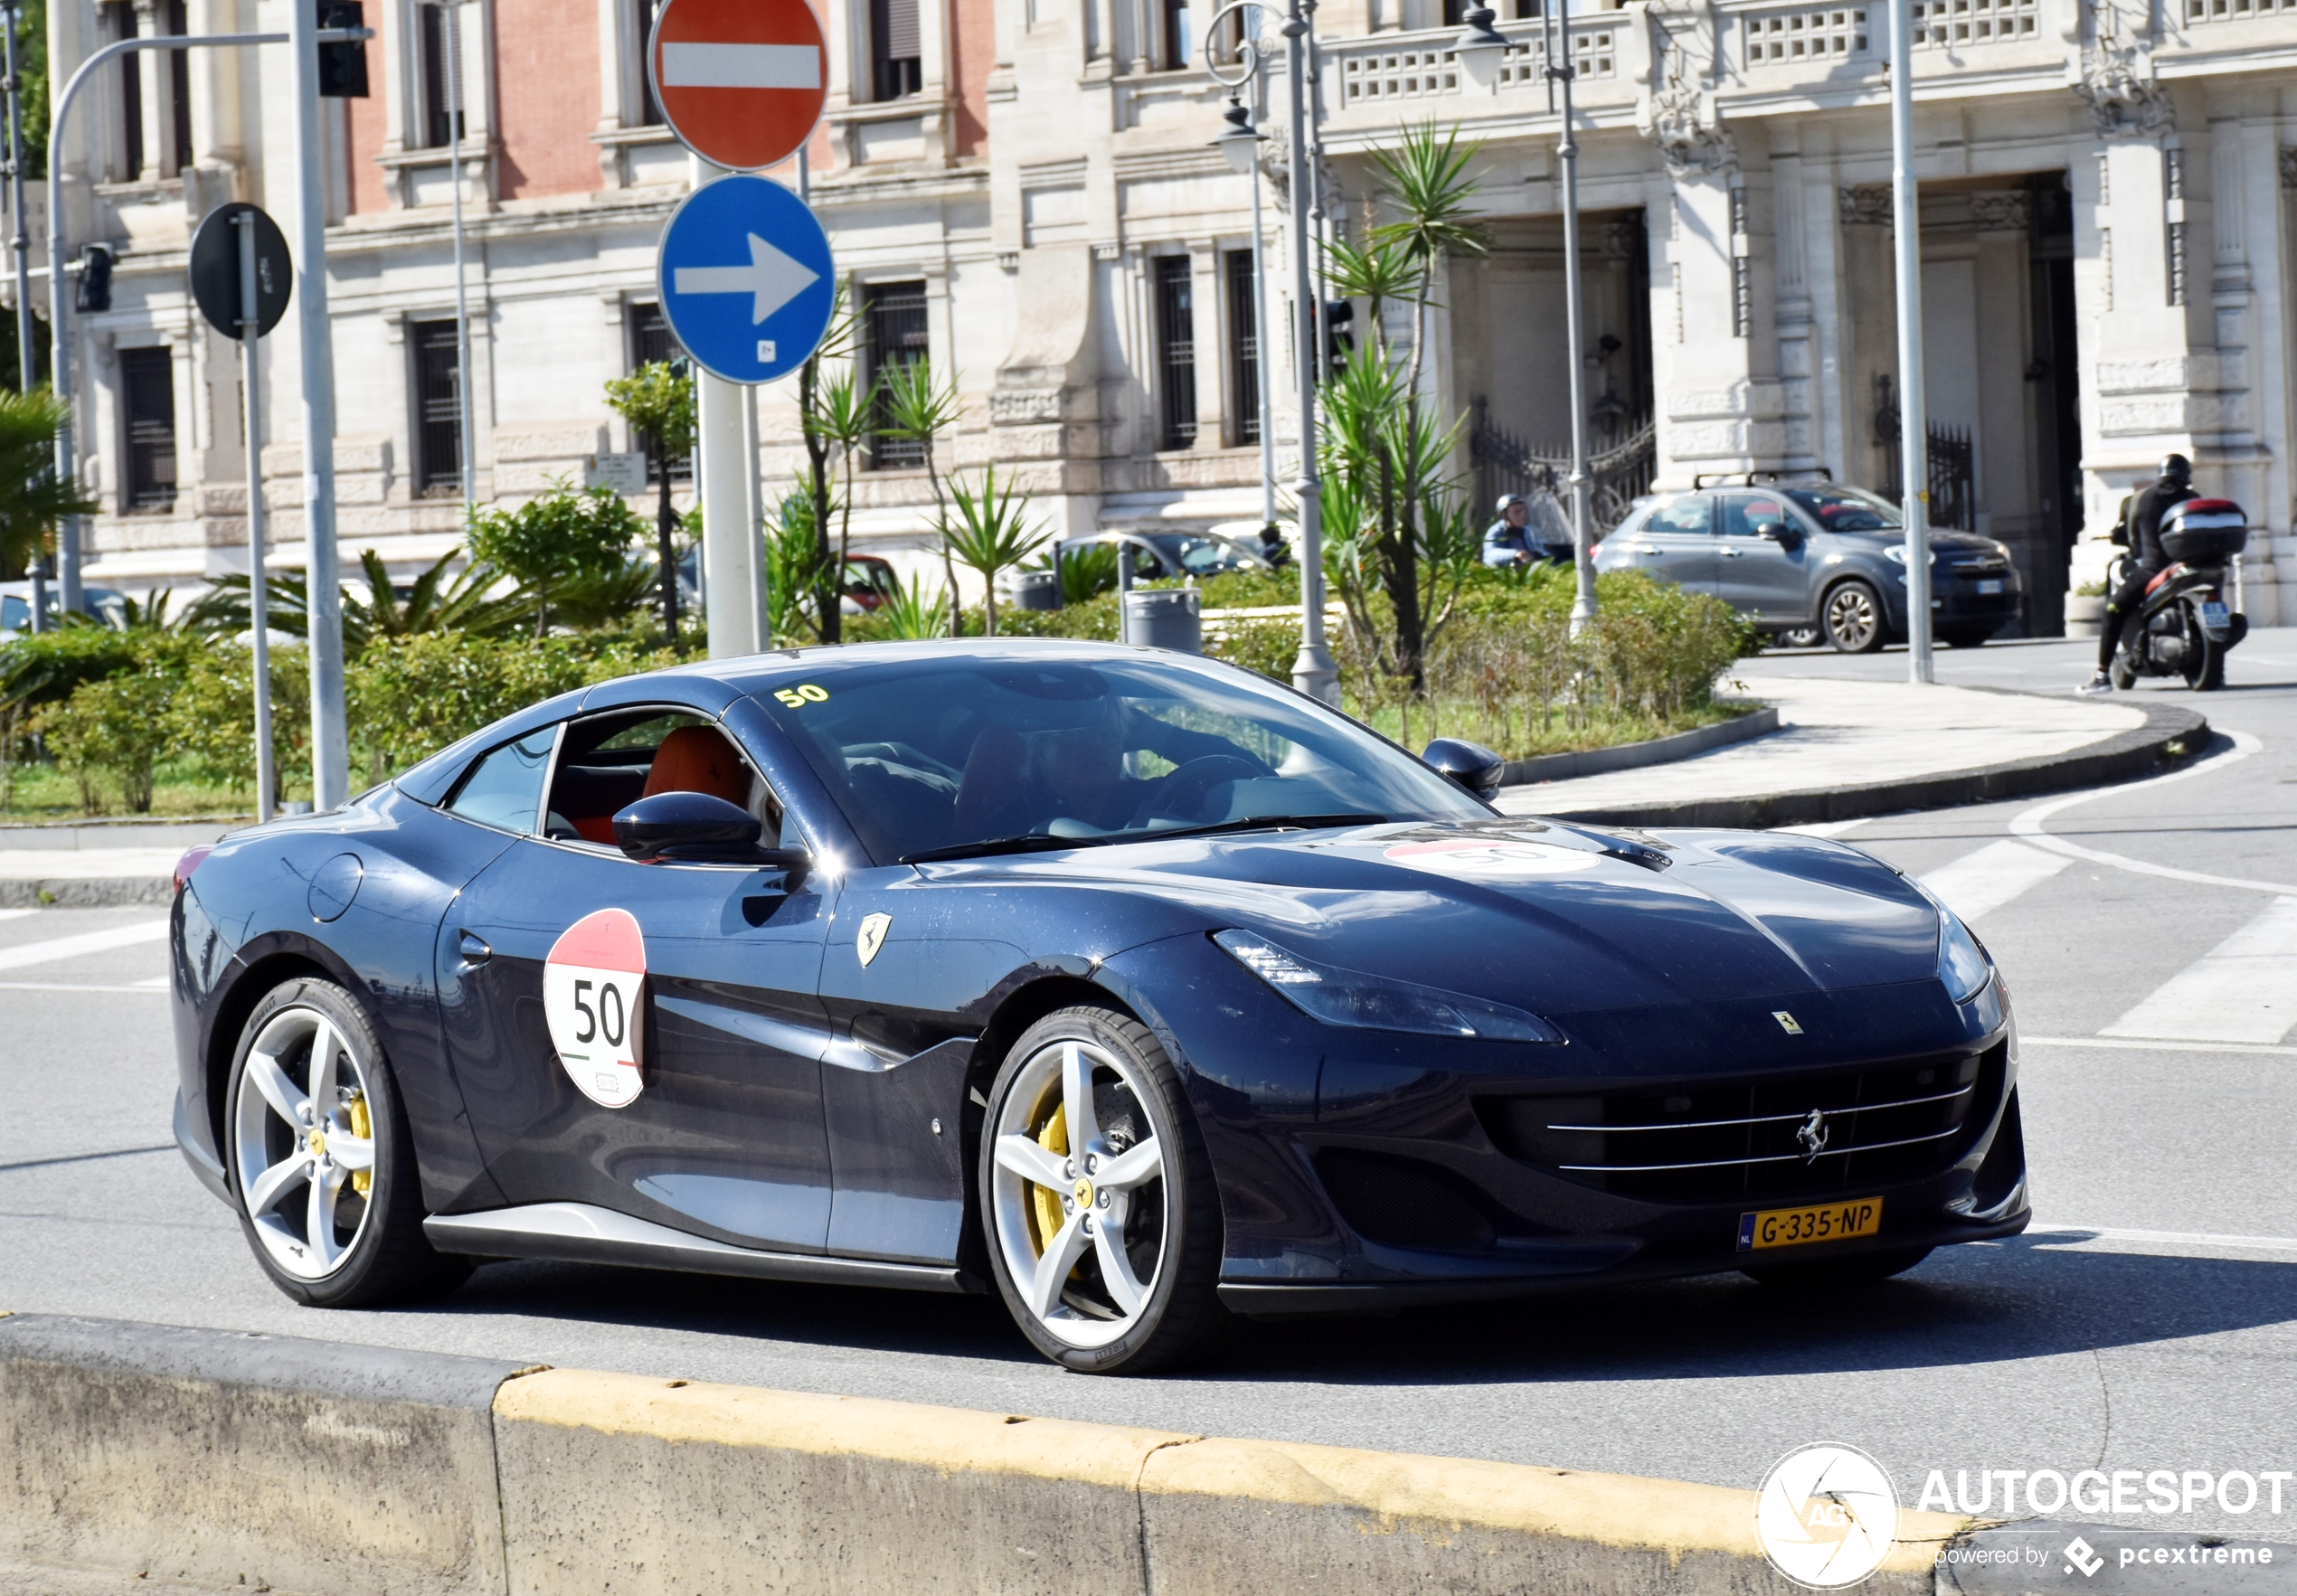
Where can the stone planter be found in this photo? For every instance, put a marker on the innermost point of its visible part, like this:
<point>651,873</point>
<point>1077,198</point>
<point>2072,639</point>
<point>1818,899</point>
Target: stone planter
<point>2084,614</point>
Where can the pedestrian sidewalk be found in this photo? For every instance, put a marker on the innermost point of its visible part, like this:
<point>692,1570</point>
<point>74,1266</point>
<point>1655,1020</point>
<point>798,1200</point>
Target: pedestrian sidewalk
<point>1836,733</point>
<point>91,866</point>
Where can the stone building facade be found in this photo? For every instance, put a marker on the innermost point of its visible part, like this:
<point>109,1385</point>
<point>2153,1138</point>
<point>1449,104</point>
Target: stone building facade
<point>1024,190</point>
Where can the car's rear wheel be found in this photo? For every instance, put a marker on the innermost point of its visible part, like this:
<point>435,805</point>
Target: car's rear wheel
<point>1852,618</point>
<point>1097,1194</point>
<point>1835,1273</point>
<point>321,1160</point>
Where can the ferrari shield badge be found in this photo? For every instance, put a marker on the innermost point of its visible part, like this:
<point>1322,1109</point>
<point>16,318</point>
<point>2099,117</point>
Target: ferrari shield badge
<point>872,935</point>
<point>594,999</point>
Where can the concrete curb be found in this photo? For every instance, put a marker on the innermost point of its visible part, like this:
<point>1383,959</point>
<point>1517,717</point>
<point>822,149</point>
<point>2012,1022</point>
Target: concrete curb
<point>1631,755</point>
<point>226,1459</point>
<point>2171,732</point>
<point>86,892</point>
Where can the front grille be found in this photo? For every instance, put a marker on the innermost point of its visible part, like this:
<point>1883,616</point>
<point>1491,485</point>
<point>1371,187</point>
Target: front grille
<point>1734,1141</point>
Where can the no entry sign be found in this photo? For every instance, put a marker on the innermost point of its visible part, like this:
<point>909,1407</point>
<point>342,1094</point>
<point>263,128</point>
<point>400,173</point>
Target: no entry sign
<point>740,81</point>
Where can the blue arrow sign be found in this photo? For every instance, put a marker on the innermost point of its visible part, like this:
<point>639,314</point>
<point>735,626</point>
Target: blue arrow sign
<point>746,279</point>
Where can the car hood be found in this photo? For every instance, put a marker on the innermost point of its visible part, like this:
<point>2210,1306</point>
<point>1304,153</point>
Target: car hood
<point>1557,918</point>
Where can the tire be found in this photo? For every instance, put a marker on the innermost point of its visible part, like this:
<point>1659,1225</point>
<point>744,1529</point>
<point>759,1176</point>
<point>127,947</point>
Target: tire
<point>323,1241</point>
<point>1801,637</point>
<point>2204,666</point>
<point>1964,638</point>
<point>1155,1184</point>
<point>1851,617</point>
<point>1836,1274</point>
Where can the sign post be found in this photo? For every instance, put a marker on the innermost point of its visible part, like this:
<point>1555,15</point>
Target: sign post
<point>745,269</point>
<point>241,279</point>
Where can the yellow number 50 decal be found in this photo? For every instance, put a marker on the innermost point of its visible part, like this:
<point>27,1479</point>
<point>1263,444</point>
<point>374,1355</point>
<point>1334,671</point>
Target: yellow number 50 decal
<point>798,697</point>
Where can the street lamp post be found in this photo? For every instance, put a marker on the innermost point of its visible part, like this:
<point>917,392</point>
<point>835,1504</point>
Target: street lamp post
<point>1313,671</point>
<point>453,20</point>
<point>1241,142</point>
<point>1913,414</point>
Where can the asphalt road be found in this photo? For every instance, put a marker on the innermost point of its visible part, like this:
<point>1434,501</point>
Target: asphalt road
<point>2149,1327</point>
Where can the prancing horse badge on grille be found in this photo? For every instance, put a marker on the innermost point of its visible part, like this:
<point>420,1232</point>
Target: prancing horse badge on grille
<point>1813,1136</point>
<point>1786,1021</point>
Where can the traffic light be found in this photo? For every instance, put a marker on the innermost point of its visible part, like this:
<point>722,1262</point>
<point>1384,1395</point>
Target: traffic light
<point>1339,337</point>
<point>95,279</point>
<point>342,67</point>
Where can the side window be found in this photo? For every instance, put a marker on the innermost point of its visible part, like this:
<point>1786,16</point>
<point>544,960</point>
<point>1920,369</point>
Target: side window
<point>612,760</point>
<point>1743,511</point>
<point>505,789</point>
<point>1690,515</point>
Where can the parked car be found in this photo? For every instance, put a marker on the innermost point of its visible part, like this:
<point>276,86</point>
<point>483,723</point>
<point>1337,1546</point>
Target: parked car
<point>1130,987</point>
<point>1159,556</point>
<point>102,604</point>
<point>1795,558</point>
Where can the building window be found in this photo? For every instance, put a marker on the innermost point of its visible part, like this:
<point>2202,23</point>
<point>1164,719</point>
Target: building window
<point>1176,352</point>
<point>649,110</point>
<point>1244,347</point>
<point>119,22</point>
<point>147,407</point>
<point>440,120</point>
<point>894,334</point>
<point>438,421</point>
<point>1177,43</point>
<point>652,341</point>
<point>896,61</point>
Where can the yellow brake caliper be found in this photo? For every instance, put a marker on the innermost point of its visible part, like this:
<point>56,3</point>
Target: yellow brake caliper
<point>363,1127</point>
<point>1044,1203</point>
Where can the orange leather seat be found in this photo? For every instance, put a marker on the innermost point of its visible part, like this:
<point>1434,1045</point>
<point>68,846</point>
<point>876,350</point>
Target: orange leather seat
<point>698,758</point>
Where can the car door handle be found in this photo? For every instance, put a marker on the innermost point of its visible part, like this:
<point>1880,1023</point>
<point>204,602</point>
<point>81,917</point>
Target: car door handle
<point>474,951</point>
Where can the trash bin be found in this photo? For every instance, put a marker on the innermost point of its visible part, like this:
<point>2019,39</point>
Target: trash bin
<point>1165,617</point>
<point>1036,590</point>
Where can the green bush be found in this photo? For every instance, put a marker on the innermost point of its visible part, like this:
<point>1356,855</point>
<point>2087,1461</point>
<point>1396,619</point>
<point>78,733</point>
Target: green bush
<point>115,726</point>
<point>209,721</point>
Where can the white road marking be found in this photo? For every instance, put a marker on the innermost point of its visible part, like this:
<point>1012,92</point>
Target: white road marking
<point>2106,1234</point>
<point>740,66</point>
<point>2028,824</point>
<point>1980,882</point>
<point>1822,827</point>
<point>59,949</point>
<point>2156,1045</point>
<point>2245,989</point>
<point>146,987</point>
<point>16,913</point>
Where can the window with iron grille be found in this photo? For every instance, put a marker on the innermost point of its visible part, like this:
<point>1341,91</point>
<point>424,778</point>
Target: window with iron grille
<point>1176,352</point>
<point>1244,347</point>
<point>439,422</point>
<point>440,122</point>
<point>652,341</point>
<point>895,333</point>
<point>649,112</point>
<point>147,409</point>
<point>896,59</point>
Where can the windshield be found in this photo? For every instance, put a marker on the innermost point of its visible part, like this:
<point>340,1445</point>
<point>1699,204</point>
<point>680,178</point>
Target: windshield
<point>1845,509</point>
<point>959,754</point>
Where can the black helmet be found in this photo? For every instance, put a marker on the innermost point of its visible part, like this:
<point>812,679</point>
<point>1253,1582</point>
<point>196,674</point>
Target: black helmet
<point>2177,468</point>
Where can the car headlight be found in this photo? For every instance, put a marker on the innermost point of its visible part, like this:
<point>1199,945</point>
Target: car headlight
<point>1895,554</point>
<point>1963,964</point>
<point>1366,1002</point>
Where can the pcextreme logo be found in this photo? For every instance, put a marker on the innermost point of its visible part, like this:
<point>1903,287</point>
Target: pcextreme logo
<point>1826,1516</point>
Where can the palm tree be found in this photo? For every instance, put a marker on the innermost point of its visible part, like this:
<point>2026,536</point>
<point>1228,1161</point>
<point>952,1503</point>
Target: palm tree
<point>32,497</point>
<point>832,418</point>
<point>917,412</point>
<point>988,534</point>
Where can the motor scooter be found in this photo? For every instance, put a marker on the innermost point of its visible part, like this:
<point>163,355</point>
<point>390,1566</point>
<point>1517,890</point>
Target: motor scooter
<point>2183,626</point>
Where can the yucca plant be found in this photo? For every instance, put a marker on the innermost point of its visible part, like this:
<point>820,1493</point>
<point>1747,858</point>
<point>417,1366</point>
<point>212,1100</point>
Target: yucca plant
<point>916,410</point>
<point>833,418</point>
<point>988,532</point>
<point>33,498</point>
<point>910,615</point>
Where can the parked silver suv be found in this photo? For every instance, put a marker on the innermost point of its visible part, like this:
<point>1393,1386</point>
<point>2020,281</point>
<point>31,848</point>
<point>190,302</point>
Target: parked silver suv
<point>1793,558</point>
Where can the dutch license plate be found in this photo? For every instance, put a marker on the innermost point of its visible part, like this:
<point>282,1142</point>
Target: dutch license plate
<point>2215,618</point>
<point>1798,1227</point>
<point>1992,584</point>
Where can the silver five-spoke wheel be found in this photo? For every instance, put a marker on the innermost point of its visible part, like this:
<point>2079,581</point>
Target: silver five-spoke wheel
<point>1081,1192</point>
<point>303,1138</point>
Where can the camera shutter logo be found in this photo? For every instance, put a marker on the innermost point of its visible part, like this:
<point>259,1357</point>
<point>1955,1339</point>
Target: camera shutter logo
<point>1826,1516</point>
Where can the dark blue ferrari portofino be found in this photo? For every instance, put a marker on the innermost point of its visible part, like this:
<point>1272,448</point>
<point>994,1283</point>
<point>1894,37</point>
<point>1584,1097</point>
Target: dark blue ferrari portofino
<point>1132,987</point>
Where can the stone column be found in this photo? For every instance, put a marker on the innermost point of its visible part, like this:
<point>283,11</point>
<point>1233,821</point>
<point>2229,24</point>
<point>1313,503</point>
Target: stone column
<point>158,103</point>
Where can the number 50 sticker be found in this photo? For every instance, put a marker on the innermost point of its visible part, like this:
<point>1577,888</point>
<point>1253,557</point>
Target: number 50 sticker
<point>594,999</point>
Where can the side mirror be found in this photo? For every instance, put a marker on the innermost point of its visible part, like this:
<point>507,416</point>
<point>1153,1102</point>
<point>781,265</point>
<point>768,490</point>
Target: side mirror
<point>695,829</point>
<point>1785,535</point>
<point>1471,764</point>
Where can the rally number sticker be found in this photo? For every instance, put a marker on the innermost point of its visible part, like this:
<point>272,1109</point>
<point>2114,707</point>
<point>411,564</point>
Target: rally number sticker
<point>1492,861</point>
<point>594,999</point>
<point>799,697</point>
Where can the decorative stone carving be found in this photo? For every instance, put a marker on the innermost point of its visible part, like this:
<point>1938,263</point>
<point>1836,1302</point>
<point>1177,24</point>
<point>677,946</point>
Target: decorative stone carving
<point>2289,167</point>
<point>1865,204</point>
<point>1690,139</point>
<point>2006,210</point>
<point>2122,103</point>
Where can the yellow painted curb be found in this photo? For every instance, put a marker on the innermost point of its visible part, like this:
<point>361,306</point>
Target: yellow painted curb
<point>950,1440</point>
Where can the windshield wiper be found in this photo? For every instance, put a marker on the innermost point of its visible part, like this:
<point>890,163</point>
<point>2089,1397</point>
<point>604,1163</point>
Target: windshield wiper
<point>1252,823</point>
<point>1033,843</point>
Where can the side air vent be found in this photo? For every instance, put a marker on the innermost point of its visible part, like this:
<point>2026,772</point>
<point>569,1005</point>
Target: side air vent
<point>1404,1203</point>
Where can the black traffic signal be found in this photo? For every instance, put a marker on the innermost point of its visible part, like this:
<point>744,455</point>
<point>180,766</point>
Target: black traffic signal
<point>342,67</point>
<point>95,279</point>
<point>1340,336</point>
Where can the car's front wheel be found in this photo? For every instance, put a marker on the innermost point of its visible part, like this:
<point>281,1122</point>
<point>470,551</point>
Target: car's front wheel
<point>321,1158</point>
<point>1097,1194</point>
<point>1852,618</point>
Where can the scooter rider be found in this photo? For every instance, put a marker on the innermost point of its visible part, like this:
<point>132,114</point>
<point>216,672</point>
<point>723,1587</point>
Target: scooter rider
<point>1507,541</point>
<point>2143,528</point>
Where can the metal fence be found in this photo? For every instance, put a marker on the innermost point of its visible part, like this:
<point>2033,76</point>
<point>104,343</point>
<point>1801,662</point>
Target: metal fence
<point>1619,471</point>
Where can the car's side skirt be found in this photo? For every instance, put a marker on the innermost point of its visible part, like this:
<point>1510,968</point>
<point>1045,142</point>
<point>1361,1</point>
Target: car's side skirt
<point>582,1232</point>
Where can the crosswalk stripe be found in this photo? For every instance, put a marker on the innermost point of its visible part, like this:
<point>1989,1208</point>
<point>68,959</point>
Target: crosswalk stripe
<point>1980,882</point>
<point>16,913</point>
<point>2245,989</point>
<point>58,949</point>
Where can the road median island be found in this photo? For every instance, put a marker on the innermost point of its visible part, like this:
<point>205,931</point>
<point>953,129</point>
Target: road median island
<point>233,1460</point>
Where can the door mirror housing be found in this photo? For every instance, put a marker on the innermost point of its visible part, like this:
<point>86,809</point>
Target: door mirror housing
<point>1782,532</point>
<point>1471,764</point>
<point>696,828</point>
